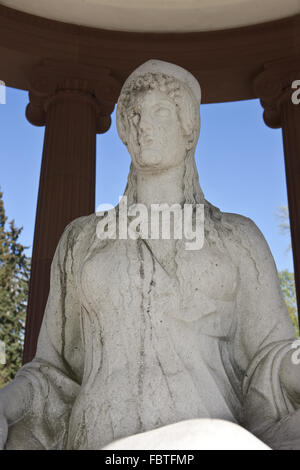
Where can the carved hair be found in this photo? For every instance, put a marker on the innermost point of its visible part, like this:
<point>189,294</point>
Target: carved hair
<point>187,110</point>
<point>189,117</point>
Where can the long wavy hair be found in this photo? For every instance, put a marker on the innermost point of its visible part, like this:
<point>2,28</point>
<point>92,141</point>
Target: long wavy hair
<point>189,116</point>
<point>188,111</point>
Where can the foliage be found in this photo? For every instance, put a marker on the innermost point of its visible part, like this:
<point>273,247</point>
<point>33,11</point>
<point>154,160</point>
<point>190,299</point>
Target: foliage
<point>287,283</point>
<point>287,280</point>
<point>283,215</point>
<point>14,279</point>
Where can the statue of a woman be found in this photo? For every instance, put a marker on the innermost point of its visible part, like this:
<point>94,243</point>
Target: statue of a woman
<point>142,333</point>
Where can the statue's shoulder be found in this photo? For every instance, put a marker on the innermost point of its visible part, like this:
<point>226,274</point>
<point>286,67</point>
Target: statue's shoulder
<point>238,222</point>
<point>84,222</point>
<point>244,233</point>
<point>78,232</point>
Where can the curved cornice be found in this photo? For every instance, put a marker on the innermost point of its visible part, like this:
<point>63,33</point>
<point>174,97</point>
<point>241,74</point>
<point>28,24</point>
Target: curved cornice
<point>225,62</point>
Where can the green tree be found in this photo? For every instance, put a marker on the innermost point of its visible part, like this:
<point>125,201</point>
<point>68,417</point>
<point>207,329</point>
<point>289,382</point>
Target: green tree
<point>287,279</point>
<point>287,283</point>
<point>283,215</point>
<point>14,280</point>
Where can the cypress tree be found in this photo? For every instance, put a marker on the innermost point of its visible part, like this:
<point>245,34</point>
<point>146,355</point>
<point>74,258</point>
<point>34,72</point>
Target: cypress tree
<point>14,280</point>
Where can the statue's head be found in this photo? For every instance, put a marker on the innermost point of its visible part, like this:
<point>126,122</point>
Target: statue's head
<point>158,119</point>
<point>158,116</point>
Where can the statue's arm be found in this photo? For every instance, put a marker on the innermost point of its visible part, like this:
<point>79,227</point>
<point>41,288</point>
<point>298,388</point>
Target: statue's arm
<point>262,316</point>
<point>264,333</point>
<point>36,404</point>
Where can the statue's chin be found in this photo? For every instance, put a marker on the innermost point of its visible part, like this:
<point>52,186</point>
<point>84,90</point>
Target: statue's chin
<point>148,159</point>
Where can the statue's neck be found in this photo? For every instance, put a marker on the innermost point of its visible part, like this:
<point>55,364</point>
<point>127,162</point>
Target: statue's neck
<point>161,187</point>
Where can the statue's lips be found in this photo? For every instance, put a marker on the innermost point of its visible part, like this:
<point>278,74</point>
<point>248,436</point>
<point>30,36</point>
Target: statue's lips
<point>146,143</point>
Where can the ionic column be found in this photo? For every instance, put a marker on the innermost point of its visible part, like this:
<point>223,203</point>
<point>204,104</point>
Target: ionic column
<point>274,88</point>
<point>74,104</point>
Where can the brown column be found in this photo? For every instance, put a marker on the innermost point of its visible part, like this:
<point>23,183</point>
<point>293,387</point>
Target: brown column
<point>74,105</point>
<point>274,87</point>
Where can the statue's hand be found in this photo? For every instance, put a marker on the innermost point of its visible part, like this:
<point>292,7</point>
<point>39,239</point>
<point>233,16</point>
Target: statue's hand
<point>12,407</point>
<point>289,375</point>
<point>284,434</point>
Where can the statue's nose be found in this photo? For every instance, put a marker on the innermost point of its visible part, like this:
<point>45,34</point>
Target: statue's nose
<point>145,125</point>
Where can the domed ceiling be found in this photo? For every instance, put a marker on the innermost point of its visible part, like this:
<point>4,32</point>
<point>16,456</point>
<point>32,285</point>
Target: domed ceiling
<point>159,15</point>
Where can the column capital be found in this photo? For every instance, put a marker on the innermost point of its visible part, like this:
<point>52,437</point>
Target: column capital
<point>52,81</point>
<point>274,88</point>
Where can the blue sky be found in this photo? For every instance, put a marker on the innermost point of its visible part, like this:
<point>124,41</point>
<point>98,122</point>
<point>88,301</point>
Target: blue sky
<point>240,163</point>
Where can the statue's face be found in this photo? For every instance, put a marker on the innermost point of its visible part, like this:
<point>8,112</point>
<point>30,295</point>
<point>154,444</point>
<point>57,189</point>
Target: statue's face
<point>155,138</point>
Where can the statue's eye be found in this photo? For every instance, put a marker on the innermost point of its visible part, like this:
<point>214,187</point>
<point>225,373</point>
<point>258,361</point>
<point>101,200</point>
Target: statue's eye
<point>162,112</point>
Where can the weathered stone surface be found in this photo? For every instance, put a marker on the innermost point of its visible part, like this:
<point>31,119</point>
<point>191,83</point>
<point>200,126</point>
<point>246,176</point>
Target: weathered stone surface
<point>141,333</point>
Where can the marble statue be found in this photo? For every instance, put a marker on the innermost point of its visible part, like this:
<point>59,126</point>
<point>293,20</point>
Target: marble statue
<point>142,333</point>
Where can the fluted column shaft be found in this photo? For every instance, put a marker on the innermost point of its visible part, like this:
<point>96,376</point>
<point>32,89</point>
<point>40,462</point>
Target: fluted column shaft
<point>291,143</point>
<point>274,86</point>
<point>73,114</point>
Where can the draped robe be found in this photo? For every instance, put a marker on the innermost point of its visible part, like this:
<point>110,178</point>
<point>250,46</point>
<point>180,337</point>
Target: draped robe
<point>125,346</point>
